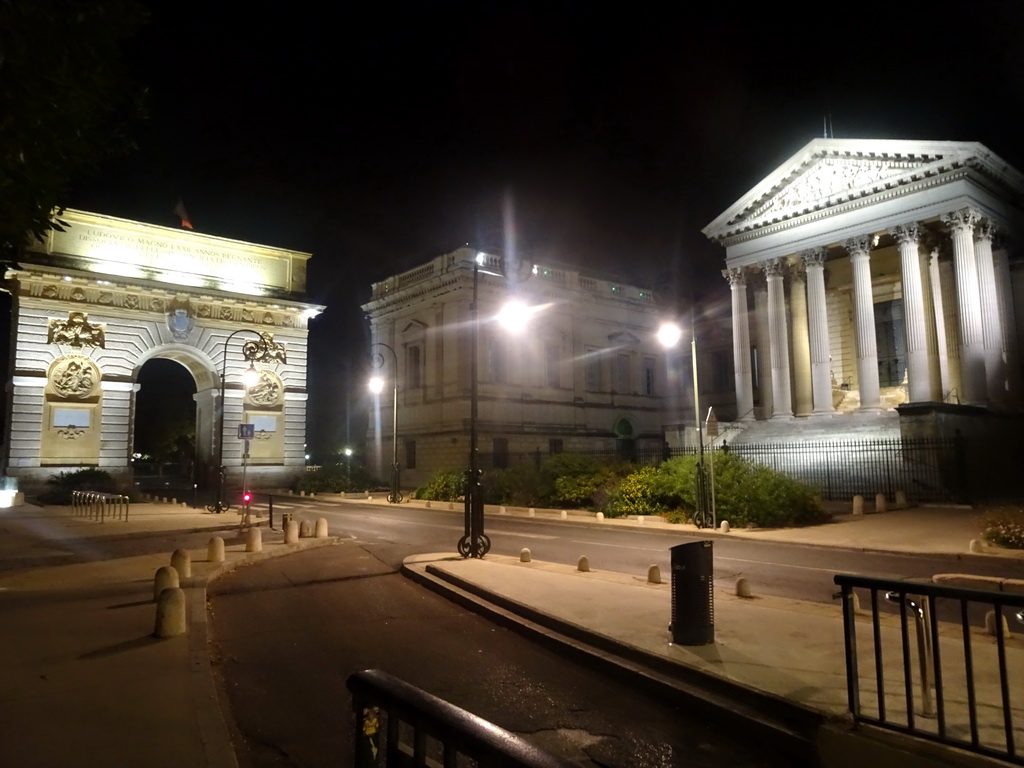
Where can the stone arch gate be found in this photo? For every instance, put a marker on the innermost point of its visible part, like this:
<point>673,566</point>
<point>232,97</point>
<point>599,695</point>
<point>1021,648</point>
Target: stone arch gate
<point>94,302</point>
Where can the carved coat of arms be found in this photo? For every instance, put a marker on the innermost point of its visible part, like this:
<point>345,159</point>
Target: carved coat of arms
<point>76,331</point>
<point>181,319</point>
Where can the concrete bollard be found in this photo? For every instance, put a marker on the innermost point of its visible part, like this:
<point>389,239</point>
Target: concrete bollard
<point>990,626</point>
<point>639,519</point>
<point>321,528</point>
<point>724,526</point>
<point>976,546</point>
<point>165,578</point>
<point>858,505</point>
<point>743,588</point>
<point>901,500</point>
<point>302,493</point>
<point>181,561</point>
<point>428,505</point>
<point>532,512</point>
<point>254,540</point>
<point>170,613</point>
<point>563,515</point>
<point>291,532</point>
<point>174,500</point>
<point>583,564</point>
<point>524,555</point>
<point>305,529</point>
<point>451,505</point>
<point>502,511</point>
<point>653,574</point>
<point>163,499</point>
<point>881,505</point>
<point>599,516</point>
<point>369,499</point>
<point>215,550</point>
<point>184,505</point>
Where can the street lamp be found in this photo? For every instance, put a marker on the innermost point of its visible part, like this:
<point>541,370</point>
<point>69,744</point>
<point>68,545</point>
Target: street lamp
<point>377,386</point>
<point>513,316</point>
<point>669,335</point>
<point>249,377</point>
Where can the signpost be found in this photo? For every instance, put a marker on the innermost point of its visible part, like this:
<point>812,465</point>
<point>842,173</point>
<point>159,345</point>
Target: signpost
<point>246,432</point>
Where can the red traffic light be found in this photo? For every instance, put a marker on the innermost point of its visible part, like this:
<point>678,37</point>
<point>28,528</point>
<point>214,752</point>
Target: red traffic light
<point>246,497</point>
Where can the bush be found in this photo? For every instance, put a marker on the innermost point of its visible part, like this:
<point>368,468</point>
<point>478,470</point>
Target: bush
<point>445,485</point>
<point>1004,528</point>
<point>89,479</point>
<point>745,493</point>
<point>636,495</point>
<point>336,478</point>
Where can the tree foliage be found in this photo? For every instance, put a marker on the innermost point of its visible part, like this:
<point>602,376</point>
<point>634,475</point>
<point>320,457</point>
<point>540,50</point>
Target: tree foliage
<point>65,103</point>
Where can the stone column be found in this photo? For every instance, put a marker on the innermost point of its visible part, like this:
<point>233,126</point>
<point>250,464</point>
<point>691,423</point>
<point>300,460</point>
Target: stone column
<point>1011,350</point>
<point>991,326</point>
<point>972,344</point>
<point>817,326</point>
<point>919,389</point>
<point>945,377</point>
<point>741,344</point>
<point>864,323</point>
<point>778,335</point>
<point>764,358</point>
<point>802,403</point>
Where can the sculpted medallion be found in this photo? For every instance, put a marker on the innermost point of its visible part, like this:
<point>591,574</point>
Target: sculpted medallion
<point>76,332</point>
<point>268,390</point>
<point>74,377</point>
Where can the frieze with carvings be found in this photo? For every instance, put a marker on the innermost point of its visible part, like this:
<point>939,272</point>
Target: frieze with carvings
<point>268,390</point>
<point>76,332</point>
<point>74,377</point>
<point>264,350</point>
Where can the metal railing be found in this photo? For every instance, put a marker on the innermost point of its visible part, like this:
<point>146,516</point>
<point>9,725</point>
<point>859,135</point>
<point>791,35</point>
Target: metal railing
<point>99,506</point>
<point>398,724</point>
<point>959,692</point>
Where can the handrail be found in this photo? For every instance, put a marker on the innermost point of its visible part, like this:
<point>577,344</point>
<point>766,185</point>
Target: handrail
<point>456,730</point>
<point>954,662</point>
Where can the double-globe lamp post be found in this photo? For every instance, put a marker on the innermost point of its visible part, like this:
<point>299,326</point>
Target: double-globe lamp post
<point>377,386</point>
<point>513,317</point>
<point>669,335</point>
<point>249,378</point>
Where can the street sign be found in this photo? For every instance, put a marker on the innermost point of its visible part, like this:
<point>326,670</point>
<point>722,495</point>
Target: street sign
<point>246,431</point>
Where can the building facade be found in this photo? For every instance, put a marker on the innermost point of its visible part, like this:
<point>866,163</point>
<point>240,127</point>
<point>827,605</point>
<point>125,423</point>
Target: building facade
<point>587,374</point>
<point>98,299</point>
<point>870,274</point>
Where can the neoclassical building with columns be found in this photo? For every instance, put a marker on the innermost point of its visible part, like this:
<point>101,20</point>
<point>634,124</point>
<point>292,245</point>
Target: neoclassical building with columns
<point>875,275</point>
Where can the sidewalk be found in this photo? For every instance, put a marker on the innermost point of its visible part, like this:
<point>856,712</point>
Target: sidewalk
<point>85,683</point>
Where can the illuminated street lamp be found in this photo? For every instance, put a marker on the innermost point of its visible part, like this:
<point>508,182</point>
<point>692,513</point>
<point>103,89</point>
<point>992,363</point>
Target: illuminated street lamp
<point>669,335</point>
<point>249,378</point>
<point>377,386</point>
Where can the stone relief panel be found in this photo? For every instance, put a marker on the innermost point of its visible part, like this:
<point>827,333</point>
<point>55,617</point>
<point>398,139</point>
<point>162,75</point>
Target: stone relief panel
<point>76,332</point>
<point>74,377</point>
<point>268,391</point>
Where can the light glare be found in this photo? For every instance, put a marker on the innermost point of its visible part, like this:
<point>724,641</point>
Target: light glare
<point>376,385</point>
<point>669,334</point>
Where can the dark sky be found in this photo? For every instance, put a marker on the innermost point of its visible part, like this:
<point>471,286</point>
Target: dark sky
<point>378,137</point>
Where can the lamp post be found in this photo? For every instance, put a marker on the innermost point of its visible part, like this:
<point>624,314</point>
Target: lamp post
<point>248,378</point>
<point>669,335</point>
<point>377,386</point>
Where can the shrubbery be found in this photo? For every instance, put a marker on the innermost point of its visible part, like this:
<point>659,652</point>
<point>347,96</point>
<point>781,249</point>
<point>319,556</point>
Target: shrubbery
<point>1005,528</point>
<point>336,478</point>
<point>445,485</point>
<point>89,479</point>
<point>635,494</point>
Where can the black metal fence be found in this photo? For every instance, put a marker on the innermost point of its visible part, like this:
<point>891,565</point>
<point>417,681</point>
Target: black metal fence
<point>953,682</point>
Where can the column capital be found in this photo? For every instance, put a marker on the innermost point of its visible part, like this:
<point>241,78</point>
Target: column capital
<point>772,267</point>
<point>858,245</point>
<point>961,220</point>
<point>906,234</point>
<point>796,271</point>
<point>735,275</point>
<point>986,230</point>
<point>813,257</point>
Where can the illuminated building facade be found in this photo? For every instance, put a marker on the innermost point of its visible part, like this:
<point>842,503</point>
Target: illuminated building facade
<point>94,302</point>
<point>587,374</point>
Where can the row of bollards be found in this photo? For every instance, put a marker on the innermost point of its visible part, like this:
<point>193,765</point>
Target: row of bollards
<point>881,502</point>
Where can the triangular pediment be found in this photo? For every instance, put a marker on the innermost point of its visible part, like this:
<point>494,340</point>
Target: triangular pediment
<point>622,338</point>
<point>828,173</point>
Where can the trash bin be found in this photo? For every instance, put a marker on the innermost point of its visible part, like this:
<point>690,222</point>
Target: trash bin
<point>693,603</point>
<point>286,517</point>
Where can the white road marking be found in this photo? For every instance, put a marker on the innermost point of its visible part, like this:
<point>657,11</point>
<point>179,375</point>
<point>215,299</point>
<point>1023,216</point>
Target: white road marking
<point>606,544</point>
<point>777,565</point>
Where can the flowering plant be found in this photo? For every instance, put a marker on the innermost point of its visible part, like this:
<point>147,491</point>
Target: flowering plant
<point>1005,528</point>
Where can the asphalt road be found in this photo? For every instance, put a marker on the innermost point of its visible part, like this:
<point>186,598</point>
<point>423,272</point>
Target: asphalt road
<point>286,634</point>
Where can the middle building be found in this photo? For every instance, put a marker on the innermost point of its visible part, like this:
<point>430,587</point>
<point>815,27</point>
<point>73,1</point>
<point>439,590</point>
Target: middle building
<point>584,373</point>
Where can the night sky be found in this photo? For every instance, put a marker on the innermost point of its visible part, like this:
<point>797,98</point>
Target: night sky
<point>379,137</point>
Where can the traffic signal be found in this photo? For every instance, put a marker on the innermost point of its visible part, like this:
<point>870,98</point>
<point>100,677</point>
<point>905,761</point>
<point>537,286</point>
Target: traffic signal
<point>246,498</point>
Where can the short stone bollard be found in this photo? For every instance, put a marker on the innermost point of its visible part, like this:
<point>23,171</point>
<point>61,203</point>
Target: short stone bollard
<point>174,501</point>
<point>427,505</point>
<point>321,528</point>
<point>639,519</point>
<point>184,505</point>
<point>451,505</point>
<point>563,515</point>
<point>583,564</point>
<point>990,625</point>
<point>976,546</point>
<point>215,550</point>
<point>724,526</point>
<point>165,578</point>
<point>291,532</point>
<point>599,516</point>
<point>524,555</point>
<point>653,574</point>
<point>181,561</point>
<point>254,540</point>
<point>858,505</point>
<point>302,493</point>
<point>170,613</point>
<point>305,529</point>
<point>743,588</point>
<point>881,505</point>
<point>532,512</point>
<point>502,511</point>
<point>901,500</point>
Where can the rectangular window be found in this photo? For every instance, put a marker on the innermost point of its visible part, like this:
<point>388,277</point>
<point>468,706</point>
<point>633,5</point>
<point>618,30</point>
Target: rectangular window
<point>648,375</point>
<point>500,452</point>
<point>413,368</point>
<point>496,360</point>
<point>70,417</point>
<point>410,454</point>
<point>551,363</point>
<point>622,374</point>
<point>263,423</point>
<point>593,369</point>
<point>555,445</point>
